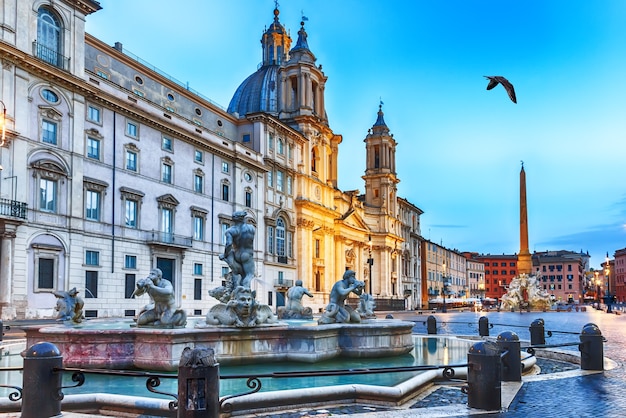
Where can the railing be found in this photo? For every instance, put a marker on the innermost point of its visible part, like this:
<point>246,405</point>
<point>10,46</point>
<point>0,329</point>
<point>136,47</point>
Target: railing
<point>166,238</point>
<point>283,283</point>
<point>50,56</point>
<point>13,208</point>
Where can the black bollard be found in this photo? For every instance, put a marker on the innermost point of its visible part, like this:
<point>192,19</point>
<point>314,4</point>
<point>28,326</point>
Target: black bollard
<point>41,391</point>
<point>484,376</point>
<point>1,330</point>
<point>508,341</point>
<point>483,326</point>
<point>431,325</point>
<point>198,384</point>
<point>591,348</point>
<point>537,332</point>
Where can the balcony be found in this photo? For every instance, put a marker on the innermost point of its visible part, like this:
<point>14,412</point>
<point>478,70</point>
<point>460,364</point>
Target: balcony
<point>13,209</point>
<point>283,283</point>
<point>50,56</point>
<point>169,240</point>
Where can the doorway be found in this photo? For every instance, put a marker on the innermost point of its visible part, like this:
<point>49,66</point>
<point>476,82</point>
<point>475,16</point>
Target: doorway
<point>167,267</point>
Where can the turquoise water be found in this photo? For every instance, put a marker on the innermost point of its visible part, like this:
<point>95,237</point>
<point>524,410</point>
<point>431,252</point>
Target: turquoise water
<point>427,351</point>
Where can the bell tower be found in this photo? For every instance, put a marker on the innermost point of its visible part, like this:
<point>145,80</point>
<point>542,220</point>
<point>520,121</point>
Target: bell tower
<point>380,171</point>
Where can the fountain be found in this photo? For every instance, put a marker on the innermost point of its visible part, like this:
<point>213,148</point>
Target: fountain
<point>238,329</point>
<point>525,294</point>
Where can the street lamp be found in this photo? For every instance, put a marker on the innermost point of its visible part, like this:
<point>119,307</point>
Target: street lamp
<point>444,309</point>
<point>608,299</point>
<point>370,261</point>
<point>4,123</point>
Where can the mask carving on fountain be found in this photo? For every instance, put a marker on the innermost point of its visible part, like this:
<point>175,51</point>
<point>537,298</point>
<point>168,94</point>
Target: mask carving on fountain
<point>524,293</point>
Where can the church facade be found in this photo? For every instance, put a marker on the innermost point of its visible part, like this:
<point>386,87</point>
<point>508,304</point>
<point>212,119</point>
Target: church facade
<point>111,168</point>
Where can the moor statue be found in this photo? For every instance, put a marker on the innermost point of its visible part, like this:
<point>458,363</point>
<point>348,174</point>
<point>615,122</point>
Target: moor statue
<point>239,250</point>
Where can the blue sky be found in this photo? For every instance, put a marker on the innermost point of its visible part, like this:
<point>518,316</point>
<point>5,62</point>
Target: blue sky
<point>459,145</point>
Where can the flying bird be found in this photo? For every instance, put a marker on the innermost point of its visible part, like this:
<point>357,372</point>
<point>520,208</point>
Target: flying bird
<point>498,79</point>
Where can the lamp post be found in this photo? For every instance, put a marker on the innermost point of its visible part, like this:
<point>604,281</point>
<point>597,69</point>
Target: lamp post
<point>608,299</point>
<point>444,309</point>
<point>597,297</point>
<point>370,262</point>
<point>4,122</point>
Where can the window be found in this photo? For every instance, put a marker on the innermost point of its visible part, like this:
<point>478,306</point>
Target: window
<point>49,132</point>
<point>47,195</point>
<point>248,199</point>
<point>91,284</point>
<point>131,160</point>
<point>166,173</point>
<point>49,96</point>
<point>279,181</point>
<point>94,114</point>
<point>93,148</point>
<point>225,271</point>
<point>166,144</point>
<point>225,167</point>
<point>270,239</point>
<point>197,269</point>
<point>280,146</point>
<point>49,37</point>
<point>92,258</point>
<point>132,129</point>
<point>280,237</point>
<point>129,286</point>
<point>317,248</point>
<point>376,156</point>
<point>270,178</point>
<point>130,209</point>
<point>197,289</point>
<point>245,138</point>
<point>92,205</point>
<point>290,151</point>
<point>225,191</point>
<point>198,183</point>
<point>198,228</point>
<point>46,273</point>
<point>167,221</point>
<point>131,204</point>
<point>270,142</point>
<point>313,160</point>
<point>289,185</point>
<point>224,227</point>
<point>130,262</point>
<point>198,156</point>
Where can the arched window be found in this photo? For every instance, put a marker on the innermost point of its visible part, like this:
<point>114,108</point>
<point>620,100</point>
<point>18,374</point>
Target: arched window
<point>49,37</point>
<point>280,237</point>
<point>313,160</point>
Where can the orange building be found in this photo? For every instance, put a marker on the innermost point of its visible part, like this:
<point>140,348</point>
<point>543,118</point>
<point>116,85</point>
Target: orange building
<point>619,273</point>
<point>499,272</point>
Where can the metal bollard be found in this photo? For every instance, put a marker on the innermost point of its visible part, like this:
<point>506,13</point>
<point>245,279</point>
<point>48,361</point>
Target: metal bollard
<point>198,384</point>
<point>41,387</point>
<point>591,348</point>
<point>484,376</point>
<point>483,326</point>
<point>508,341</point>
<point>1,330</point>
<point>537,332</point>
<point>431,325</point>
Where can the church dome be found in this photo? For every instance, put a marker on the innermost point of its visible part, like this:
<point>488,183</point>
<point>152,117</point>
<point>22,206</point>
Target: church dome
<point>257,93</point>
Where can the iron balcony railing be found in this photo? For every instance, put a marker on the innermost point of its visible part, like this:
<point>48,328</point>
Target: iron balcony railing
<point>13,208</point>
<point>165,238</point>
<point>50,56</point>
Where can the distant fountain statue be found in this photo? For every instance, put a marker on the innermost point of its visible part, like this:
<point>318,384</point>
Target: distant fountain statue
<point>69,306</point>
<point>524,293</point>
<point>294,308</point>
<point>162,311</point>
<point>238,305</point>
<point>336,310</point>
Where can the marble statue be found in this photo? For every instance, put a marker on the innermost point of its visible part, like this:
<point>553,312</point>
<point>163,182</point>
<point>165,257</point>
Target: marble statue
<point>336,310</point>
<point>239,250</point>
<point>161,311</point>
<point>294,308</point>
<point>238,305</point>
<point>69,306</point>
<point>366,306</point>
<point>525,293</point>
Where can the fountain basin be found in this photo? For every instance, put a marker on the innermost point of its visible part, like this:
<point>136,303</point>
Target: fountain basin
<point>123,348</point>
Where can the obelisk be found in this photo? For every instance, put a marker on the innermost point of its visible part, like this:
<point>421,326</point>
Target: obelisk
<point>524,260</point>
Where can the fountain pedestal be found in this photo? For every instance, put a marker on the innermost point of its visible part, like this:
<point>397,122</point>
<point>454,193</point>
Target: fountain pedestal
<point>161,349</point>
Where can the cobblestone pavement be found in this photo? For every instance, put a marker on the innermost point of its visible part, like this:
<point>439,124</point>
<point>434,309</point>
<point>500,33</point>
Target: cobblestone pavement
<point>559,390</point>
